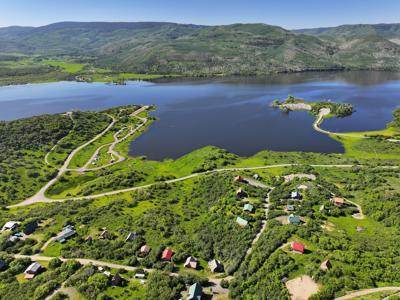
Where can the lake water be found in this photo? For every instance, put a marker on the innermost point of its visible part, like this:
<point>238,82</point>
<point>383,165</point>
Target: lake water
<point>231,113</point>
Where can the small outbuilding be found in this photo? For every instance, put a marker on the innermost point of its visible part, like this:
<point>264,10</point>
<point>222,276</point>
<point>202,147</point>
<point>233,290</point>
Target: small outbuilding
<point>325,265</point>
<point>295,195</point>
<point>248,207</point>
<point>10,226</point>
<point>240,193</point>
<point>141,274</point>
<point>298,247</point>
<point>289,207</point>
<point>215,266</point>
<point>190,262</point>
<point>145,249</point>
<point>239,179</point>
<point>241,221</point>
<point>167,254</point>
<point>131,236</point>
<point>195,292</point>
<point>338,201</point>
<point>117,280</point>
<point>32,270</point>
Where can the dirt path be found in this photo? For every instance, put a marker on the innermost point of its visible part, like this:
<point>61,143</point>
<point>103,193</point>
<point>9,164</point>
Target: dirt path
<point>368,291</point>
<point>44,199</point>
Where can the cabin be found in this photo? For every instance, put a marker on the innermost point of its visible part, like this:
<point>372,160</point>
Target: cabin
<point>65,234</point>
<point>167,254</point>
<point>325,266</point>
<point>295,195</point>
<point>292,219</point>
<point>145,249</point>
<point>338,201</point>
<point>241,221</point>
<point>10,226</point>
<point>131,236</point>
<point>117,280</point>
<point>32,270</point>
<point>297,247</point>
<point>30,227</point>
<point>215,266</point>
<point>239,179</point>
<point>191,263</point>
<point>289,208</point>
<point>248,207</point>
<point>240,193</point>
<point>195,292</point>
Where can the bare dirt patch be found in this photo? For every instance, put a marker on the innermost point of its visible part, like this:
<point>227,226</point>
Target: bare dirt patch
<point>283,219</point>
<point>302,288</point>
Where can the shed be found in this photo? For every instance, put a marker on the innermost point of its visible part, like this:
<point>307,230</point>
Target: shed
<point>191,262</point>
<point>239,179</point>
<point>248,207</point>
<point>292,219</point>
<point>195,292</point>
<point>131,236</point>
<point>215,266</point>
<point>10,226</point>
<point>325,266</point>
<point>140,274</point>
<point>167,254</point>
<point>295,195</point>
<point>338,201</point>
<point>289,207</point>
<point>32,270</point>
<point>240,193</point>
<point>298,247</point>
<point>145,249</point>
<point>241,221</point>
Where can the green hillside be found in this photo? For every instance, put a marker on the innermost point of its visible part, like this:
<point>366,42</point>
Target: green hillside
<point>169,48</point>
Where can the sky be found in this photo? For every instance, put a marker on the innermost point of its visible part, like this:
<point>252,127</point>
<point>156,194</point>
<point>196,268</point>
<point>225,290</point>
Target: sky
<point>290,14</point>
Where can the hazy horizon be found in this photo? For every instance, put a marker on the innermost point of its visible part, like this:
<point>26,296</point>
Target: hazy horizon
<point>288,14</point>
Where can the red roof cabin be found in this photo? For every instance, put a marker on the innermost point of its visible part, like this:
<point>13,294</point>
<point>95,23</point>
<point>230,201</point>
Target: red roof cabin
<point>167,254</point>
<point>298,247</point>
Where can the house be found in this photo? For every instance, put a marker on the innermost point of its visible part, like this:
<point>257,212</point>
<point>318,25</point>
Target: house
<point>117,280</point>
<point>30,227</point>
<point>240,193</point>
<point>2,264</point>
<point>241,221</point>
<point>195,292</point>
<point>295,195</point>
<point>66,233</point>
<point>167,254</point>
<point>292,219</point>
<point>297,247</point>
<point>239,179</point>
<point>141,274</point>
<point>191,262</point>
<point>248,207</point>
<point>13,239</point>
<point>215,266</point>
<point>325,266</point>
<point>338,201</point>
<point>289,207</point>
<point>32,270</point>
<point>10,226</point>
<point>131,236</point>
<point>145,249</point>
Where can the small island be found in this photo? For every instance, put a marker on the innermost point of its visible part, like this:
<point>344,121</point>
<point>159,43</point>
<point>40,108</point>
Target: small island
<point>326,107</point>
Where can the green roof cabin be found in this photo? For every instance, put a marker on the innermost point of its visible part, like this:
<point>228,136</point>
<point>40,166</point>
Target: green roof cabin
<point>195,292</point>
<point>294,220</point>
<point>248,207</point>
<point>241,221</point>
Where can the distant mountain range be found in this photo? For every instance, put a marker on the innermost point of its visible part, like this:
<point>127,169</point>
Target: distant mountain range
<point>245,49</point>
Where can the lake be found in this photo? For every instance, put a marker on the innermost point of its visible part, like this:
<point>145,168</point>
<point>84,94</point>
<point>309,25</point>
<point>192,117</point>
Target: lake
<point>231,113</point>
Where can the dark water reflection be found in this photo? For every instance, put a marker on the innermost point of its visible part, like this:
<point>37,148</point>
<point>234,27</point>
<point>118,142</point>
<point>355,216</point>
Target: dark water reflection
<point>232,113</point>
